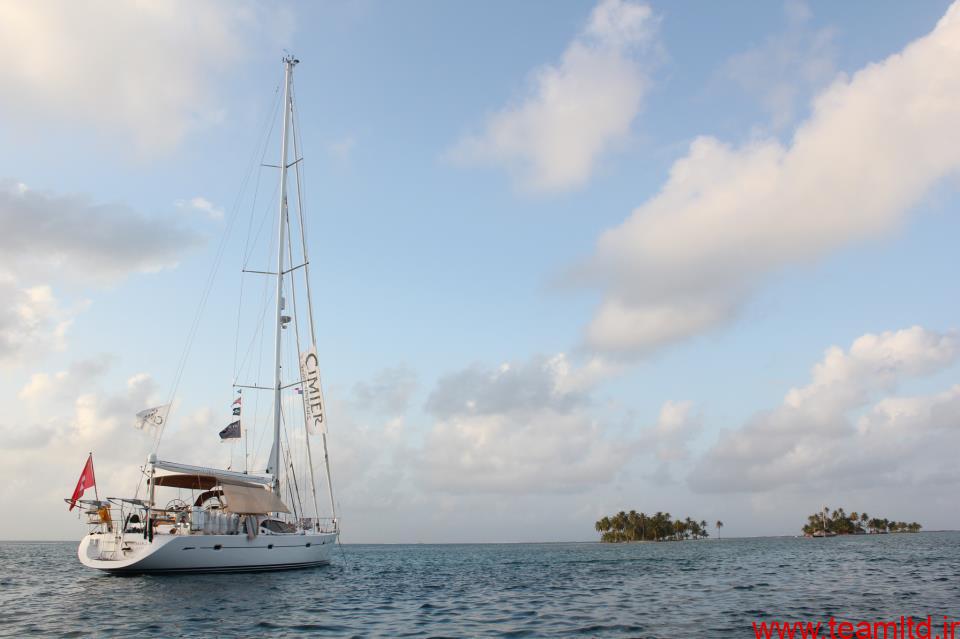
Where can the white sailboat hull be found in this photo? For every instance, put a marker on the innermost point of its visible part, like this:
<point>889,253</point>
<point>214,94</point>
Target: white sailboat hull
<point>131,553</point>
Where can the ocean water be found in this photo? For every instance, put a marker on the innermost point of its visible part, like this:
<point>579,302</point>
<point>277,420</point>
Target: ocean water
<point>665,590</point>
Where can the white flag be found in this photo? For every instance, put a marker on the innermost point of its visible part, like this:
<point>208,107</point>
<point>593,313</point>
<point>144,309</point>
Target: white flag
<point>313,407</point>
<point>152,419</point>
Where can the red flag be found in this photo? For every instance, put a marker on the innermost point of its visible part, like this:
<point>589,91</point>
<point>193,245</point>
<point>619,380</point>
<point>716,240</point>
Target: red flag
<point>87,480</point>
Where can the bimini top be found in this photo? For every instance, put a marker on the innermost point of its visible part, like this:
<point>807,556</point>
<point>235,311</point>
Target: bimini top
<point>251,500</point>
<point>239,497</point>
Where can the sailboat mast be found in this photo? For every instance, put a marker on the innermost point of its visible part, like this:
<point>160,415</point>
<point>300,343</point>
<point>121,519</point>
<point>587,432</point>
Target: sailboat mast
<point>289,63</point>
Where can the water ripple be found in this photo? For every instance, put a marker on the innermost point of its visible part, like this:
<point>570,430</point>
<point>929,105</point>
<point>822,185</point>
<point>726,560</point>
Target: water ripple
<point>654,591</point>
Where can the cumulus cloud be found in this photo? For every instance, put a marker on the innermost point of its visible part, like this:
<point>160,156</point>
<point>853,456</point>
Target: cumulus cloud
<point>56,435</point>
<point>523,387</point>
<point>31,319</point>
<point>63,415</point>
<point>518,428</point>
<point>575,110</point>
<point>72,236</point>
<point>51,238</point>
<point>79,375</point>
<point>675,427</point>
<point>844,425</point>
<point>729,216</point>
<point>146,68</point>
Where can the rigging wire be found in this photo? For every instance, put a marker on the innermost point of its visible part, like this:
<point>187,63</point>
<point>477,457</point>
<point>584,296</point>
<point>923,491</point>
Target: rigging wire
<point>195,325</point>
<point>313,332</point>
<point>253,206</point>
<point>292,484</point>
<point>262,334</point>
<point>296,327</point>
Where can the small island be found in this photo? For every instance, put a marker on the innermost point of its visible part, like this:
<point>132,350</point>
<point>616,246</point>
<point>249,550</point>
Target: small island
<point>827,523</point>
<point>634,526</point>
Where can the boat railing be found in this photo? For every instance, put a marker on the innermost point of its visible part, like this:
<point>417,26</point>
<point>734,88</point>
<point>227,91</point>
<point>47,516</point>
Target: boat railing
<point>102,518</point>
<point>184,521</point>
<point>319,524</point>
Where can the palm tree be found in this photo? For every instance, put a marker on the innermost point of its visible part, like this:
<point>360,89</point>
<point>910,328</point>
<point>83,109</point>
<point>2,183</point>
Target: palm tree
<point>837,522</point>
<point>620,524</point>
<point>638,526</point>
<point>633,525</point>
<point>603,527</point>
<point>719,526</point>
<point>679,528</point>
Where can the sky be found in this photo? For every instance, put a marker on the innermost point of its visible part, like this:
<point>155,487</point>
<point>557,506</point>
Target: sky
<point>568,258</point>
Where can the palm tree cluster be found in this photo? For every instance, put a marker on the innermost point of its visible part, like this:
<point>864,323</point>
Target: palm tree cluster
<point>634,526</point>
<point>838,522</point>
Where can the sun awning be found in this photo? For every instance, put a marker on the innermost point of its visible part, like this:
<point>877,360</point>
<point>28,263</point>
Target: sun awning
<point>251,500</point>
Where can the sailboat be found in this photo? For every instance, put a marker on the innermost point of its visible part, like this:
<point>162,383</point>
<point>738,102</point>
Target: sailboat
<point>226,520</point>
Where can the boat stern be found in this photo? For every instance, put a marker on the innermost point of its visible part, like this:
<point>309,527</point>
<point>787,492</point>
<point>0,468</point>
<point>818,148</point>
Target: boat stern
<point>116,552</point>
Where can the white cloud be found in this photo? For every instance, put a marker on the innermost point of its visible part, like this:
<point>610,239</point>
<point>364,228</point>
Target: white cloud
<point>381,496</point>
<point>71,236</point>
<point>400,479</point>
<point>62,416</point>
<point>148,69</point>
<point>544,452</point>
<point>78,376</point>
<point>687,259</point>
<point>511,387</point>
<point>786,66</point>
<point>576,110</point>
<point>520,428</point>
<point>31,320</point>
<point>203,205</point>
<point>675,427</point>
<point>56,435</point>
<point>816,437</point>
<point>49,238</point>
